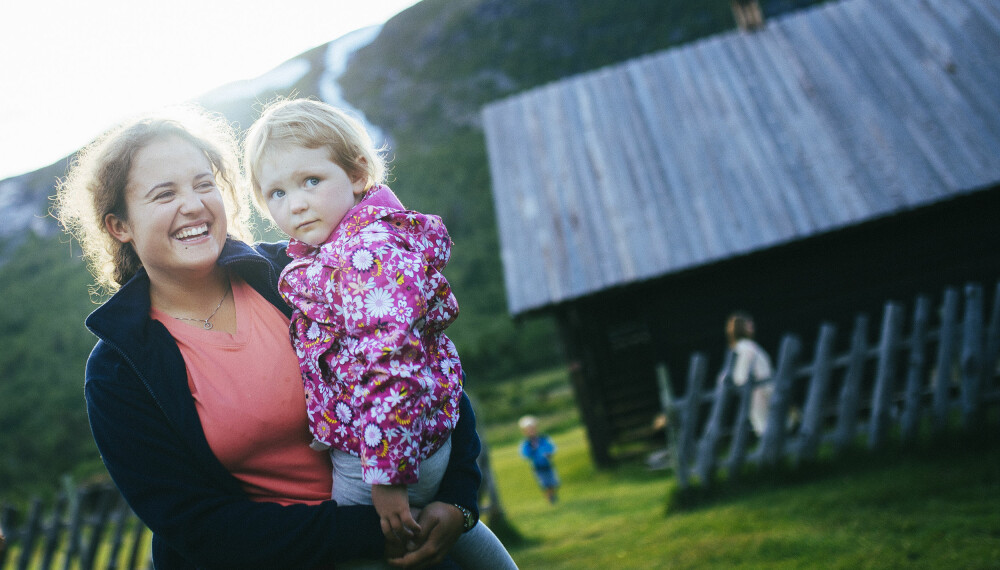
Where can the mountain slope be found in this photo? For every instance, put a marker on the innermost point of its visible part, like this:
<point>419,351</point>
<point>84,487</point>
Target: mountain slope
<point>44,286</point>
<point>426,77</point>
<point>422,81</point>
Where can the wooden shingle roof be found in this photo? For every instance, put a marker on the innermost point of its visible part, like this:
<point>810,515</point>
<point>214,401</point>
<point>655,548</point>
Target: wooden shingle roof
<point>825,118</point>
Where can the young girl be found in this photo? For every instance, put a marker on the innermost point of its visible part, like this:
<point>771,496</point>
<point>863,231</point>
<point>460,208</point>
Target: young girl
<point>382,380</point>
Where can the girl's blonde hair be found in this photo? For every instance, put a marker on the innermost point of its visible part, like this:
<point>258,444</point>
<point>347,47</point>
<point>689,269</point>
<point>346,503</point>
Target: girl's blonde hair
<point>98,176</point>
<point>312,124</point>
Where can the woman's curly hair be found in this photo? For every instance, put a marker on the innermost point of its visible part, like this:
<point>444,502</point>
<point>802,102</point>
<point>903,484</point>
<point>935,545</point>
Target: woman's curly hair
<point>96,185</point>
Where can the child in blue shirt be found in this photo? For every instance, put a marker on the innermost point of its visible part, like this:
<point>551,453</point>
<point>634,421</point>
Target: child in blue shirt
<point>538,449</point>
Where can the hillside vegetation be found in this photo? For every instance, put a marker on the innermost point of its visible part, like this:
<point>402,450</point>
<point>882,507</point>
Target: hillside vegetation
<point>427,76</point>
<point>43,348</point>
<point>424,80</point>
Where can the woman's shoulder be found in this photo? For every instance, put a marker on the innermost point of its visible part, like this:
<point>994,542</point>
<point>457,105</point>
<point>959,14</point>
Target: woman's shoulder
<point>101,357</point>
<point>246,258</point>
<point>272,250</point>
<point>108,376</point>
<point>237,250</point>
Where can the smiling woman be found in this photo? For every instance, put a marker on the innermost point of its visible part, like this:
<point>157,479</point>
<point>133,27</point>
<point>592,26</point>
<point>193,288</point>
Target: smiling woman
<point>174,216</point>
<point>193,342</point>
<point>122,169</point>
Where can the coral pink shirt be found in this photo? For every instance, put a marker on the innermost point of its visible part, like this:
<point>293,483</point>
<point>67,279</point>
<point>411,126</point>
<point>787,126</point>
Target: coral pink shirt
<point>247,389</point>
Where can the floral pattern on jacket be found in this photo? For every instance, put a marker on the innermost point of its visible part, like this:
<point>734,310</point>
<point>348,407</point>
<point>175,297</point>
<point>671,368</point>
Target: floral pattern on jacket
<point>382,381</point>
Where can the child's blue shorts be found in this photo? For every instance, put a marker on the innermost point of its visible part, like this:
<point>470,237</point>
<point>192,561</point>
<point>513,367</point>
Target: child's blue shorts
<point>547,478</point>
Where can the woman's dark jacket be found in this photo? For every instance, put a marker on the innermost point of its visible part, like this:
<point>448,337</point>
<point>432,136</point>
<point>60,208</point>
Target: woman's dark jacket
<point>147,429</point>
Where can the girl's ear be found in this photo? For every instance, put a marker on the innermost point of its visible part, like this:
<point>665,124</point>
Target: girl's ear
<point>118,228</point>
<point>359,183</point>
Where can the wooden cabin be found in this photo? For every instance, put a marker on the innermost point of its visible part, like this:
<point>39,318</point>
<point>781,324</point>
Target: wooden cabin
<point>831,160</point>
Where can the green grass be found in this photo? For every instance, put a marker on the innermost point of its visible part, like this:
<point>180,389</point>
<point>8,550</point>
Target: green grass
<point>932,506</point>
<point>937,506</point>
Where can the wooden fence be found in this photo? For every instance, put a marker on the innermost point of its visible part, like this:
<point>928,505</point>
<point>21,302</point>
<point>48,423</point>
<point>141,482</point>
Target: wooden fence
<point>916,378</point>
<point>80,524</point>
<point>85,520</point>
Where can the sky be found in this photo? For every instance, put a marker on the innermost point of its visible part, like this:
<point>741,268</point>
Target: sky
<point>69,69</point>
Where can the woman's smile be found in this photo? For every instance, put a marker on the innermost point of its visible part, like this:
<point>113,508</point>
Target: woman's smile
<point>190,232</point>
<point>176,217</point>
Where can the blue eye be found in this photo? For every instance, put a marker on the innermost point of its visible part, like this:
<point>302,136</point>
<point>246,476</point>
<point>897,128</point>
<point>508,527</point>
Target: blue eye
<point>275,194</point>
<point>312,181</point>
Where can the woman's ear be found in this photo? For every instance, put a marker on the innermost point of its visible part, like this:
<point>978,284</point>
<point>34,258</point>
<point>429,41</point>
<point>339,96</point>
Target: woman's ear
<point>118,228</point>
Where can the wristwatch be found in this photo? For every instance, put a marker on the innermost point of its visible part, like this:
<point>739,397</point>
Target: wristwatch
<point>469,520</point>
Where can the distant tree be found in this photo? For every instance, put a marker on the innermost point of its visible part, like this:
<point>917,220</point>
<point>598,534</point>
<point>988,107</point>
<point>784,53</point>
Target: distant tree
<point>43,349</point>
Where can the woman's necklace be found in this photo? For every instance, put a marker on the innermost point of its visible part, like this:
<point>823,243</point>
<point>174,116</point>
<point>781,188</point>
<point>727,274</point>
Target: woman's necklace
<point>207,323</point>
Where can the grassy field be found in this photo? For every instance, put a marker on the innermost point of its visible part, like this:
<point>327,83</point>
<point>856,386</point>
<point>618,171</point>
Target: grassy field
<point>933,507</point>
<point>937,506</point>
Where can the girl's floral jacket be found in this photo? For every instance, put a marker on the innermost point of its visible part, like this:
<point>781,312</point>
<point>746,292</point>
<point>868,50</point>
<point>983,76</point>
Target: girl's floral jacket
<point>382,380</point>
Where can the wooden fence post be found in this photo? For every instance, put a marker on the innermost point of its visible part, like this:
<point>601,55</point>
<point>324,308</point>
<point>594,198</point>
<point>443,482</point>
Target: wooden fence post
<point>910,422</point>
<point>689,418</point>
<point>773,444</point>
<point>972,356</point>
<point>945,358</point>
<point>885,375</point>
<point>54,532</point>
<point>121,517</point>
<point>813,416</point>
<point>850,396</point>
<point>992,343</point>
<point>741,431</point>
<point>705,469</point>
<point>137,536</point>
<point>6,530</point>
<point>668,403</point>
<point>105,499</point>
<point>75,521</point>
<point>496,517</point>
<point>30,534</point>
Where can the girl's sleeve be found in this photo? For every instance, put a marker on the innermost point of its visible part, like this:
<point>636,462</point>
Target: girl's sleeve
<point>192,504</point>
<point>390,297</point>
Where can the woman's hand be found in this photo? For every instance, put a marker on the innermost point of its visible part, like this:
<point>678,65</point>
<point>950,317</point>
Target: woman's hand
<point>441,525</point>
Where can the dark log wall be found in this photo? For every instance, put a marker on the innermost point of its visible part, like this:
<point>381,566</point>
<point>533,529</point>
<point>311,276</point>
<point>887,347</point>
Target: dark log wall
<point>619,335</point>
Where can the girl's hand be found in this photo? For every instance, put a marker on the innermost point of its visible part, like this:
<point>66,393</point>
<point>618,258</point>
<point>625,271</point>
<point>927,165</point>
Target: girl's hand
<point>441,525</point>
<point>393,508</point>
<point>394,547</point>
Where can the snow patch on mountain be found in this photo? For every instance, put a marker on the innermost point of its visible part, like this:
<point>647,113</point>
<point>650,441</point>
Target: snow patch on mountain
<point>338,53</point>
<point>22,209</point>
